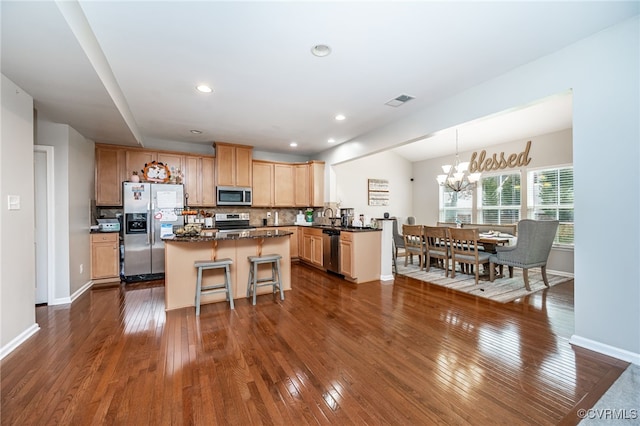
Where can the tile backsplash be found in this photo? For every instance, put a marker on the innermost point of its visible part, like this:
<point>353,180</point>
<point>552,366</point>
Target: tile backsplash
<point>286,216</point>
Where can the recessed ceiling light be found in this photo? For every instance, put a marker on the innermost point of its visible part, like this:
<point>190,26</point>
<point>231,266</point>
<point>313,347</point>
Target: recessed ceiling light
<point>293,144</point>
<point>196,132</point>
<point>340,117</point>
<point>204,88</point>
<point>321,50</point>
<point>332,140</point>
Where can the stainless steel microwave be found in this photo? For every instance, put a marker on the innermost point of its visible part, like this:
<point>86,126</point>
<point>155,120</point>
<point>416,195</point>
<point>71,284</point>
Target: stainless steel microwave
<point>233,196</point>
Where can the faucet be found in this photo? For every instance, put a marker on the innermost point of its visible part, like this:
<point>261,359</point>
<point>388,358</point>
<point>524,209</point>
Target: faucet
<point>331,218</point>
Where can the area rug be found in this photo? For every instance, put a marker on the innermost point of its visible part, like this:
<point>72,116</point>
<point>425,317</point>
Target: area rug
<point>503,290</point>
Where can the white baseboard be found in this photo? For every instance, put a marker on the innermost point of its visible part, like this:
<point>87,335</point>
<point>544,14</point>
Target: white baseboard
<point>21,338</point>
<point>387,277</point>
<point>560,273</point>
<point>604,349</point>
<point>81,290</point>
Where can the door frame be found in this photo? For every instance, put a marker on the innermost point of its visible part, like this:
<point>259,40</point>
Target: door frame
<point>51,267</point>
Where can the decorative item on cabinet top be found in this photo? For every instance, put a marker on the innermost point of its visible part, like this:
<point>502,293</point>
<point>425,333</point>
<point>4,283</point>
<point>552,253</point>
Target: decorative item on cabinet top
<point>156,172</point>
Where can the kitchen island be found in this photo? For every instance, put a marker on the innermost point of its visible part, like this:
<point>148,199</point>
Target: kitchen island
<point>182,251</point>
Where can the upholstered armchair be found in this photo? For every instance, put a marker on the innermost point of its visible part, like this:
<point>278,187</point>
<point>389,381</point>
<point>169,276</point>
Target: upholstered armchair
<point>398,239</point>
<point>535,238</point>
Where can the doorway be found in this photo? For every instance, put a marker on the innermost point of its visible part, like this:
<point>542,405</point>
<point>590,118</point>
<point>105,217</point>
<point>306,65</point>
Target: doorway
<point>44,223</point>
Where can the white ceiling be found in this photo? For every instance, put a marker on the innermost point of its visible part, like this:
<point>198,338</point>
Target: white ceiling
<point>125,72</point>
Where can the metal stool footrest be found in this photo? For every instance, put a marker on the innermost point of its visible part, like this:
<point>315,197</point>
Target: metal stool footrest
<point>225,287</point>
<point>274,280</point>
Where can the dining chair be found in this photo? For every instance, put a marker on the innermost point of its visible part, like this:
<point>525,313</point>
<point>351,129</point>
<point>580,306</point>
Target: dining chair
<point>535,238</point>
<point>464,250</point>
<point>398,239</point>
<point>413,243</point>
<point>437,247</point>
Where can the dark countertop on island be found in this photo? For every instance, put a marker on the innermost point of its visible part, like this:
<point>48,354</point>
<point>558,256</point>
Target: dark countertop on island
<point>347,228</point>
<point>319,226</point>
<point>225,236</point>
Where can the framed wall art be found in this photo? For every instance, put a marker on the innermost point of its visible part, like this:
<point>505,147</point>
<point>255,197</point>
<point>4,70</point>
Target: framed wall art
<point>378,190</point>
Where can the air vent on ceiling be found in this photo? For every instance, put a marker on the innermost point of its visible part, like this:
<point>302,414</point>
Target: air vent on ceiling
<point>396,102</point>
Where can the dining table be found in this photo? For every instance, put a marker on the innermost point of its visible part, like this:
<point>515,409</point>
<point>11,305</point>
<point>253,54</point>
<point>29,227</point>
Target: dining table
<point>490,241</point>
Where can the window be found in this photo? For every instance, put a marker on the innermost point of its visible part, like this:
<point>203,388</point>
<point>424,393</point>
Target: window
<point>499,201</point>
<point>551,197</point>
<point>455,206</point>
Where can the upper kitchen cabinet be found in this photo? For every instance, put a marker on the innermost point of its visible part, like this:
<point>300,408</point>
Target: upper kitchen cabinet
<point>109,175</point>
<point>136,159</point>
<point>309,189</point>
<point>262,184</point>
<point>199,174</point>
<point>283,185</point>
<point>316,177</point>
<point>302,195</point>
<point>233,164</point>
<point>174,162</point>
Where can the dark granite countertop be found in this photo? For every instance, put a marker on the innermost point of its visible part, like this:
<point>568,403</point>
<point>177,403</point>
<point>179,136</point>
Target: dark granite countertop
<point>221,236</point>
<point>346,228</point>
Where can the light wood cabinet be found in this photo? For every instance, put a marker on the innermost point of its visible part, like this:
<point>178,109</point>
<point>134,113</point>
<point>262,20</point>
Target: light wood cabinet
<point>208,181</point>
<point>309,184</point>
<point>136,159</point>
<point>312,247</point>
<point>174,162</point>
<point>262,184</point>
<point>283,181</point>
<point>316,182</point>
<point>198,181</point>
<point>105,256</point>
<point>287,184</point>
<point>233,164</point>
<point>360,254</point>
<point>346,254</point>
<point>302,190</point>
<point>109,174</point>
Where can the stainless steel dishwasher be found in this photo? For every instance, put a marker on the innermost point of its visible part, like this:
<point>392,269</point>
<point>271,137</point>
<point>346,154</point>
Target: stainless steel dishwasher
<point>331,249</point>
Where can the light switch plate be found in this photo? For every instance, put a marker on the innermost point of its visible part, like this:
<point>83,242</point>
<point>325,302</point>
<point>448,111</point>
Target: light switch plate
<point>13,202</point>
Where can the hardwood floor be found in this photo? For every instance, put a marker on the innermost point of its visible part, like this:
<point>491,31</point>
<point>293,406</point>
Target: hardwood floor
<point>330,353</point>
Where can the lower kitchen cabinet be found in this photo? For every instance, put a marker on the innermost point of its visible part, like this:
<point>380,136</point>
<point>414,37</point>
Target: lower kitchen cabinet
<point>312,246</point>
<point>346,254</point>
<point>105,257</point>
<point>360,254</point>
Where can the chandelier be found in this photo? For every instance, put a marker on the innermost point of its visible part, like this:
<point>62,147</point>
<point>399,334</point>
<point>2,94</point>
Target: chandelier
<point>457,177</point>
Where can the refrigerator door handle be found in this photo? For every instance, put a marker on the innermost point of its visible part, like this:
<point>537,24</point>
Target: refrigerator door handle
<point>149,228</point>
<point>153,225</point>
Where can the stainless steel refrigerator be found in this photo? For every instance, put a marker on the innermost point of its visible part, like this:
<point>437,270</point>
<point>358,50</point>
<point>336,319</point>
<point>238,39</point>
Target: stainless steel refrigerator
<point>149,213</point>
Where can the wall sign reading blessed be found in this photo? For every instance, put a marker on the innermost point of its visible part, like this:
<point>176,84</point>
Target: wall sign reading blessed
<point>483,164</point>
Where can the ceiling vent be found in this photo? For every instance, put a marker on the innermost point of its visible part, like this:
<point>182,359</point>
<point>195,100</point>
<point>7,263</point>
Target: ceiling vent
<point>396,102</point>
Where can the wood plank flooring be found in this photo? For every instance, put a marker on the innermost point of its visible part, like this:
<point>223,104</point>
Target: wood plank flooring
<point>332,352</point>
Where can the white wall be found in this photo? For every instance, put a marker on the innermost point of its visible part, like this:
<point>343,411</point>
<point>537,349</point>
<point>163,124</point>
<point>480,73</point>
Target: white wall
<point>352,185</point>
<point>17,271</point>
<point>74,189</point>
<point>602,70</point>
<point>81,192</point>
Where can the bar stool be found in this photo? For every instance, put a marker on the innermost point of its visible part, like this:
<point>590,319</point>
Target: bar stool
<point>274,280</point>
<point>224,287</point>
